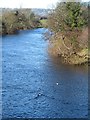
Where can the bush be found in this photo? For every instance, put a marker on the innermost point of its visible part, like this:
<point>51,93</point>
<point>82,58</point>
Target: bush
<point>9,22</point>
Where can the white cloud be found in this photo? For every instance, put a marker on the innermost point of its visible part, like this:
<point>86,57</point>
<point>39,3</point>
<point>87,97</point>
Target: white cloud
<point>27,3</point>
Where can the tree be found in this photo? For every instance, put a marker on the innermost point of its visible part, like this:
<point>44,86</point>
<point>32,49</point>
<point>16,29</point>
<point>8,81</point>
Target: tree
<point>74,17</point>
<point>67,16</point>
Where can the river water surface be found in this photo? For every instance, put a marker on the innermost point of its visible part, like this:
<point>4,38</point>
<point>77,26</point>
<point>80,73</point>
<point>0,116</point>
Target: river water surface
<point>37,86</point>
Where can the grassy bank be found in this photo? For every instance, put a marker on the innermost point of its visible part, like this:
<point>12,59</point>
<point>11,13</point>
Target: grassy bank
<point>69,23</point>
<point>44,23</point>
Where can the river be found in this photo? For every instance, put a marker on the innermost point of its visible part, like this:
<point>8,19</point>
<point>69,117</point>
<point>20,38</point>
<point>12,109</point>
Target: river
<point>34,85</point>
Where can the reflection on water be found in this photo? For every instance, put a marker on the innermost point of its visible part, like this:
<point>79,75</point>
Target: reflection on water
<point>78,68</point>
<point>37,86</point>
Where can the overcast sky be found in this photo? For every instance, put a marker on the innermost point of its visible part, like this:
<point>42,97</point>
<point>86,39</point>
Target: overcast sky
<point>28,3</point>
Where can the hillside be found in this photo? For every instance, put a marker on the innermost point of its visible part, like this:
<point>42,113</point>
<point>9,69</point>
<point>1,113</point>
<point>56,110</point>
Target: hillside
<point>41,12</point>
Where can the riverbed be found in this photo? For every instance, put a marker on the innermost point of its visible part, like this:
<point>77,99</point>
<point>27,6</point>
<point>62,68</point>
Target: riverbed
<point>34,85</point>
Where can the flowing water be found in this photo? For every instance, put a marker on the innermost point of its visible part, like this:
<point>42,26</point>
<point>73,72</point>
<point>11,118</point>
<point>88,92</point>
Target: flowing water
<point>37,86</point>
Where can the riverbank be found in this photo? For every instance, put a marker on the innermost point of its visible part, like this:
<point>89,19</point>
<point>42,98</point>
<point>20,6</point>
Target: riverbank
<point>69,23</point>
<point>70,52</point>
<point>20,19</point>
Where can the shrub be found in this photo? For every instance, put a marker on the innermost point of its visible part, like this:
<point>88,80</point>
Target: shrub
<point>9,22</point>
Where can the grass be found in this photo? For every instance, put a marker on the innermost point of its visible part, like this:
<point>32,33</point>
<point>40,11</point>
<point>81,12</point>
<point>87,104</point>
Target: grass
<point>44,22</point>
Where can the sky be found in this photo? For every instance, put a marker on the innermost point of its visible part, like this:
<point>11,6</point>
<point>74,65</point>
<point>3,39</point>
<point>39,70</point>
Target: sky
<point>29,3</point>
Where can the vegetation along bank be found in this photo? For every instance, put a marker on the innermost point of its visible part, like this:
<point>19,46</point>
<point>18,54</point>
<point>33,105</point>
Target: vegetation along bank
<point>16,19</point>
<point>69,23</point>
